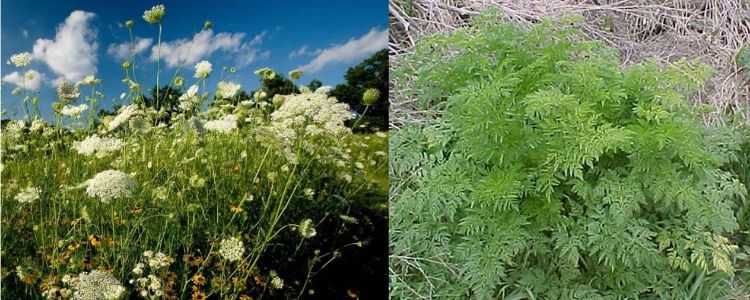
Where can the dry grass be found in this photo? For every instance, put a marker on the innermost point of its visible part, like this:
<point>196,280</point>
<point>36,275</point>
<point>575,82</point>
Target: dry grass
<point>712,31</point>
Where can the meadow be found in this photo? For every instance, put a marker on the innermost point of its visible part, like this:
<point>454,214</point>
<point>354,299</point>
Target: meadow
<point>210,196</point>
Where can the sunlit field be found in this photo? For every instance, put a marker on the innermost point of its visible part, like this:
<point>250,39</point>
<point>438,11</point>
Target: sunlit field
<point>192,191</point>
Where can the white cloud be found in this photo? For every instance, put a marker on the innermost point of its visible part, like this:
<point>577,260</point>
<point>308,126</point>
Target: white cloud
<point>72,55</point>
<point>349,52</point>
<point>122,51</point>
<point>206,43</point>
<point>249,52</point>
<point>25,33</point>
<point>18,79</point>
<point>299,52</point>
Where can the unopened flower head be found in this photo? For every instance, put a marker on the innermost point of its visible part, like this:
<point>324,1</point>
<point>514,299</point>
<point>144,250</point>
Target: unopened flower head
<point>129,24</point>
<point>266,73</point>
<point>260,95</point>
<point>202,69</point>
<point>370,96</point>
<point>97,285</point>
<point>227,90</point>
<point>30,194</point>
<point>154,15</point>
<point>110,184</point>
<point>20,60</point>
<point>295,74</point>
<point>231,249</point>
<point>278,100</point>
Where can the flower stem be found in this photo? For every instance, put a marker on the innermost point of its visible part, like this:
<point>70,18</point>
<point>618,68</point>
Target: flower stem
<point>158,68</point>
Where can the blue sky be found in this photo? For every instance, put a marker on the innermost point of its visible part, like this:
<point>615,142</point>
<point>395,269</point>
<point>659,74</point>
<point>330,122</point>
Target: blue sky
<point>70,39</point>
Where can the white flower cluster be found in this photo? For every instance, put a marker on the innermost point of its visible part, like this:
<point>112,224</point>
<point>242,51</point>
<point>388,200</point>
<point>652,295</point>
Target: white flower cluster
<point>231,249</point>
<point>100,146</point>
<point>189,100</point>
<point>30,194</point>
<point>276,282</point>
<point>125,113</point>
<point>73,111</point>
<point>57,293</point>
<point>202,69</point>
<point>158,259</point>
<point>97,285</point>
<point>110,184</point>
<point>306,229</point>
<point>37,124</point>
<point>20,60</point>
<point>149,286</point>
<point>89,80</point>
<point>154,15</point>
<point>224,125</point>
<point>67,91</point>
<point>138,269</point>
<point>227,90</point>
<point>309,115</point>
<point>15,128</point>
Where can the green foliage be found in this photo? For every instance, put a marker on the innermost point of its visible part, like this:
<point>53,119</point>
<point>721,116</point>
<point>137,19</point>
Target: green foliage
<point>168,101</point>
<point>277,85</point>
<point>371,73</point>
<point>555,173</point>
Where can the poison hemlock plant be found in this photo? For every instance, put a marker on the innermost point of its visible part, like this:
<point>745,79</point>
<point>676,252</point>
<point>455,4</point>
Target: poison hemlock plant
<point>555,173</point>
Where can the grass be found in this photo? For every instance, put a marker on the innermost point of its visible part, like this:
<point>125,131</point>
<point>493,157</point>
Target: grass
<point>193,191</point>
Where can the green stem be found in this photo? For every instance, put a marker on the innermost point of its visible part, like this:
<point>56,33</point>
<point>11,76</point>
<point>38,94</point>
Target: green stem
<point>360,117</point>
<point>25,98</point>
<point>133,58</point>
<point>158,68</point>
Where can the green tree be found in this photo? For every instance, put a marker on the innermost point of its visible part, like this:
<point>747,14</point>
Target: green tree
<point>278,85</point>
<point>168,100</point>
<point>371,73</point>
<point>314,84</point>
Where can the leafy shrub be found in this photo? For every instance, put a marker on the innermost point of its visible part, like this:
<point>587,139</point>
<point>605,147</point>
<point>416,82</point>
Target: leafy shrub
<point>555,173</point>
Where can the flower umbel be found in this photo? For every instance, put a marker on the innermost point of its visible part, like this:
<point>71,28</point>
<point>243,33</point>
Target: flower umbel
<point>110,184</point>
<point>67,91</point>
<point>97,285</point>
<point>20,60</point>
<point>154,15</point>
<point>306,229</point>
<point>231,249</point>
<point>202,69</point>
<point>227,90</point>
<point>100,146</point>
<point>30,194</point>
